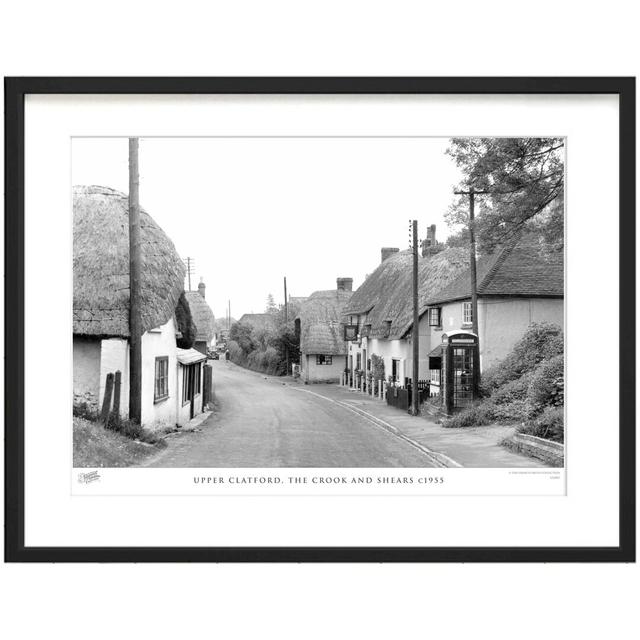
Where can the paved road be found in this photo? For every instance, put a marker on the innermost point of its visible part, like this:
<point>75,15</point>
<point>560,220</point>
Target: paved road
<point>264,423</point>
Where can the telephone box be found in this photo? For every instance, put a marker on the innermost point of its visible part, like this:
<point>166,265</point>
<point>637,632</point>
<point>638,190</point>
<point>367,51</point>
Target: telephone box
<point>460,369</point>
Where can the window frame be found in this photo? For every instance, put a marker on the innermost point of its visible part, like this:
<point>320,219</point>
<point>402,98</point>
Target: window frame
<point>438,311</point>
<point>467,306</point>
<point>326,360</point>
<point>161,360</point>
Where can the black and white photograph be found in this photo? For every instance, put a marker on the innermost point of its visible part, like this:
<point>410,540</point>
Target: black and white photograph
<point>342,302</point>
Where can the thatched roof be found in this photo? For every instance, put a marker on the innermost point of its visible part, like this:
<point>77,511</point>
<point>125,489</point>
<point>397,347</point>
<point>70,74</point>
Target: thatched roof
<point>101,266</point>
<point>526,267</point>
<point>259,321</point>
<point>434,273</point>
<point>385,298</point>
<point>379,284</point>
<point>320,317</point>
<point>202,316</point>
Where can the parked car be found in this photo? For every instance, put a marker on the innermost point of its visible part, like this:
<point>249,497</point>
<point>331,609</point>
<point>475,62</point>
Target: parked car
<point>214,355</point>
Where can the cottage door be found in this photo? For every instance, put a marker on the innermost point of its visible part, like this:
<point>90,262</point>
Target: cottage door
<point>192,390</point>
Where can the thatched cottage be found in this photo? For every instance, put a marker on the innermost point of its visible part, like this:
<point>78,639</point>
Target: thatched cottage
<point>382,310</point>
<point>171,368</point>
<point>517,285</point>
<point>318,323</point>
<point>203,318</point>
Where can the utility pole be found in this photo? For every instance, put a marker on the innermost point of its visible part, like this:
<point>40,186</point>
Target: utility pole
<point>135,318</point>
<point>189,262</point>
<point>415,334</point>
<point>286,324</point>
<point>472,255</point>
<point>286,309</point>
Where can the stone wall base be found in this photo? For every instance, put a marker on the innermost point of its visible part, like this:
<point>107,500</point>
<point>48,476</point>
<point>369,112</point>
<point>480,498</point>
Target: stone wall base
<point>551,453</point>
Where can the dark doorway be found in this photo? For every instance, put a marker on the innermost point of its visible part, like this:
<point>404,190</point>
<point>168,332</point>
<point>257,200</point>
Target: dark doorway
<point>191,386</point>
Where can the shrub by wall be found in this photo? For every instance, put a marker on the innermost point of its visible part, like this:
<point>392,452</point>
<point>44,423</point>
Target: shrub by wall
<point>377,367</point>
<point>542,341</point>
<point>549,424</point>
<point>547,385</point>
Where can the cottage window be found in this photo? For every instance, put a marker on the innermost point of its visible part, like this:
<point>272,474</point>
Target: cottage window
<point>435,317</point>
<point>162,379</point>
<point>467,313</point>
<point>324,359</point>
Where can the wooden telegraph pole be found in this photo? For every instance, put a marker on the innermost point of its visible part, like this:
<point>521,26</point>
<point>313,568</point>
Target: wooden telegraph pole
<point>472,255</point>
<point>472,193</point>
<point>286,324</point>
<point>189,262</point>
<point>415,334</point>
<point>135,318</point>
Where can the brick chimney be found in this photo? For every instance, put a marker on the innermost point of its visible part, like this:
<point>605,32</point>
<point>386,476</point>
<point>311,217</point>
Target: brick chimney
<point>344,284</point>
<point>430,244</point>
<point>385,252</point>
<point>201,288</point>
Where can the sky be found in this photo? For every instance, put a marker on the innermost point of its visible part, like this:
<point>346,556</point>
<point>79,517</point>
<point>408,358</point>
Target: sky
<point>250,211</point>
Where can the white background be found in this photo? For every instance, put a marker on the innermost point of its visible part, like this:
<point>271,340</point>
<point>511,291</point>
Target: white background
<point>54,517</point>
<point>331,38</point>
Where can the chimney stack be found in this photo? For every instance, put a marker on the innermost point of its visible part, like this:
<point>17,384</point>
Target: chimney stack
<point>430,244</point>
<point>385,252</point>
<point>345,284</point>
<point>201,288</point>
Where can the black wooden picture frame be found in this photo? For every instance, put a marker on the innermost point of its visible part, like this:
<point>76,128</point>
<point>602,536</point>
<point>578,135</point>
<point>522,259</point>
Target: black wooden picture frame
<point>15,91</point>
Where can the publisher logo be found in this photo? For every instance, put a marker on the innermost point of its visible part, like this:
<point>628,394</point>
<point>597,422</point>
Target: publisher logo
<point>88,477</point>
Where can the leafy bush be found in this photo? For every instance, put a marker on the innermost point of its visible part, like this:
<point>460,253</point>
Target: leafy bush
<point>235,353</point>
<point>475,416</point>
<point>377,367</point>
<point>266,349</point>
<point>513,391</point>
<point>267,361</point>
<point>549,424</point>
<point>547,385</point>
<point>508,413</point>
<point>542,341</point>
<point>242,335</point>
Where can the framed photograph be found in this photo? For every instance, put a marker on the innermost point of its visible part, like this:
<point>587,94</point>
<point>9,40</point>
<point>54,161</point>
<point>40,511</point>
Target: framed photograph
<point>204,363</point>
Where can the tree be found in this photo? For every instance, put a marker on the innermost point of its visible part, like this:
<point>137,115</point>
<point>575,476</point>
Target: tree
<point>271,307</point>
<point>523,181</point>
<point>243,335</point>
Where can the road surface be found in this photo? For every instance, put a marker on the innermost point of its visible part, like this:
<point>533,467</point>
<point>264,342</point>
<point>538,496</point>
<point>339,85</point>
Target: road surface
<point>261,422</point>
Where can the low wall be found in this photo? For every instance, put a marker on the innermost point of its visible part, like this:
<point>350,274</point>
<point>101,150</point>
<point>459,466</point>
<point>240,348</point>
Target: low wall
<point>551,453</point>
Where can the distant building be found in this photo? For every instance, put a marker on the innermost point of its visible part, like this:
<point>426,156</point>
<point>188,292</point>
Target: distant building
<point>203,318</point>
<point>319,326</point>
<point>259,321</point>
